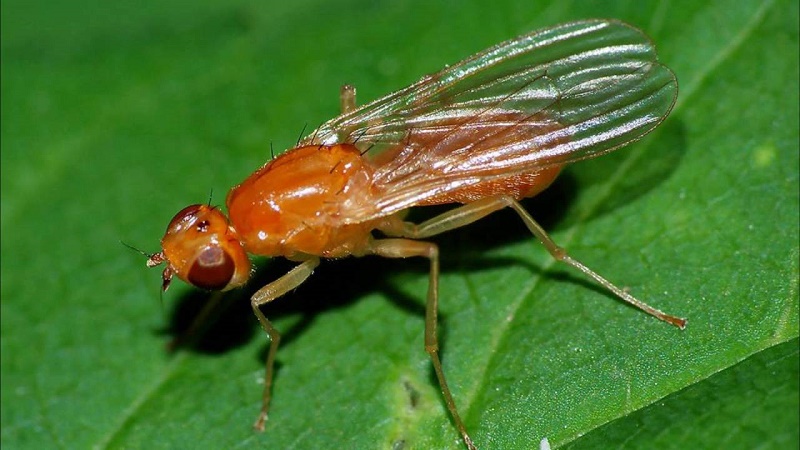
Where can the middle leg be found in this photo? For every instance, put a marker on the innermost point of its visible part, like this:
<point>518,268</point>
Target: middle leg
<point>404,248</point>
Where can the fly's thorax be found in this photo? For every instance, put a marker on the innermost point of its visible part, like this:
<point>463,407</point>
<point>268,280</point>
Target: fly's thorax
<point>298,202</point>
<point>201,248</point>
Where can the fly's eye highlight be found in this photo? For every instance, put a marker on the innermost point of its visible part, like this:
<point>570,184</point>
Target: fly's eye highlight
<point>212,270</point>
<point>202,226</point>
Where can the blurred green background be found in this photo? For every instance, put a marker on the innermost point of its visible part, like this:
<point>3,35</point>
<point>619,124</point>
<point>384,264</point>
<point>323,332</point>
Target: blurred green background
<point>117,114</point>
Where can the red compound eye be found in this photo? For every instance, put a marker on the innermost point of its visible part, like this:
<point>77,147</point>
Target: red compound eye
<point>212,270</point>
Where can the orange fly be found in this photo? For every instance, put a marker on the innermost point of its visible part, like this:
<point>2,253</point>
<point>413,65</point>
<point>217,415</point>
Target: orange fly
<point>485,133</point>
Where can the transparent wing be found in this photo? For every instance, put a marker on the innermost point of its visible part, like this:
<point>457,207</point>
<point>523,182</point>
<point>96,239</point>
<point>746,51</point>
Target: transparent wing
<point>551,97</point>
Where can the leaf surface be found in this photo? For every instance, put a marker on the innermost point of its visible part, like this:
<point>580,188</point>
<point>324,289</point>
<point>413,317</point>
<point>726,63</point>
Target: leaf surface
<point>115,116</point>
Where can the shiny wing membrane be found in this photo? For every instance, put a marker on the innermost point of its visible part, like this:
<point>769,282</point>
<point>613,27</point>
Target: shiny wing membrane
<point>551,97</point>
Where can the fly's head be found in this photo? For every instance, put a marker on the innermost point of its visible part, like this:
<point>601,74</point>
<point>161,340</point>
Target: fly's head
<point>202,249</point>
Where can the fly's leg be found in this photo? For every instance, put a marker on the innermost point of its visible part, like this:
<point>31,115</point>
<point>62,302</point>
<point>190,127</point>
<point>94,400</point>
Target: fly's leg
<point>347,98</point>
<point>270,292</point>
<point>479,209</point>
<point>404,248</point>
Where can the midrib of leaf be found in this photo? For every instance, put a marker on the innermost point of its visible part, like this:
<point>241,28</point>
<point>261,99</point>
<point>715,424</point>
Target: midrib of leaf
<point>723,54</point>
<point>137,403</point>
<point>624,169</point>
<point>659,14</point>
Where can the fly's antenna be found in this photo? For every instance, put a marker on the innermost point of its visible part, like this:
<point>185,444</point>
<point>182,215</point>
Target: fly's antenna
<point>137,250</point>
<point>271,150</point>
<point>210,194</point>
<point>302,132</point>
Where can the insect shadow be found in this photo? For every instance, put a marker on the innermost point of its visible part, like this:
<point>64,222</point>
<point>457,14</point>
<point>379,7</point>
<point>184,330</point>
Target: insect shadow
<point>338,283</point>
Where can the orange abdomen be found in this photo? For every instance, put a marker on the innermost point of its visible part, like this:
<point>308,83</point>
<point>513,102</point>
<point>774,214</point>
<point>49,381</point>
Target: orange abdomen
<point>519,186</point>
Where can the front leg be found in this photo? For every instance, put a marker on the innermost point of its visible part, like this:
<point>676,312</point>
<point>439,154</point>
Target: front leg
<point>277,288</point>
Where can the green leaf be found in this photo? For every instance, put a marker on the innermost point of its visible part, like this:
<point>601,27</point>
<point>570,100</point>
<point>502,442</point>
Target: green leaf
<point>759,396</point>
<point>116,116</point>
